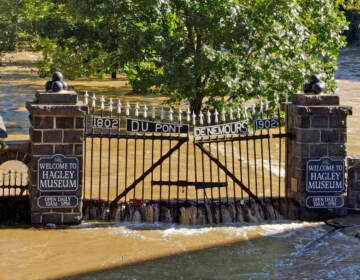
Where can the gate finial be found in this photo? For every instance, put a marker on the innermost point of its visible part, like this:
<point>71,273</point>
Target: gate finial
<point>201,116</point>
<point>194,118</point>
<point>137,110</point>
<point>231,111</point>
<point>179,115</point>
<point>223,116</point>
<point>102,103</point>
<point>93,100</point>
<point>266,105</point>
<point>216,113</point>
<point>145,111</point>
<point>127,109</point>
<point>119,107</point>
<point>111,105</point>
<point>208,114</point>
<point>86,98</point>
<point>153,113</point>
<point>188,113</point>
<point>162,113</point>
<point>171,117</point>
<point>261,107</point>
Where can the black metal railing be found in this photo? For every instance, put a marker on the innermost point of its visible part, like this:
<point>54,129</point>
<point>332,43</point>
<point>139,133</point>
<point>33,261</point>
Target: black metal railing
<point>13,183</point>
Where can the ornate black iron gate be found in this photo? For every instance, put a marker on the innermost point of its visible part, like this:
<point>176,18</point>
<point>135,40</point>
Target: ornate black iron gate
<point>219,157</point>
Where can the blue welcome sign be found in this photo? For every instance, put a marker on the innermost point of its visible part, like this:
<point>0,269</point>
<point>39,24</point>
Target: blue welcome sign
<point>325,176</point>
<point>58,173</point>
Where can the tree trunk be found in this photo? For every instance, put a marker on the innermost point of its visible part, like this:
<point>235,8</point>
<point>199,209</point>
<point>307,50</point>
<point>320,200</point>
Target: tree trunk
<point>196,103</point>
<point>113,75</point>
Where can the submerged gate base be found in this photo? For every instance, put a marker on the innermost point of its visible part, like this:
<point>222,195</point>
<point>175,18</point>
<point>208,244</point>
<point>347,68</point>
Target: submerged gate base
<point>191,212</point>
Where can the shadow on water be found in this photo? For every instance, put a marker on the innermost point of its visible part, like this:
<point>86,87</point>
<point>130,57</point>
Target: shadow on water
<point>270,250</point>
<point>268,256</point>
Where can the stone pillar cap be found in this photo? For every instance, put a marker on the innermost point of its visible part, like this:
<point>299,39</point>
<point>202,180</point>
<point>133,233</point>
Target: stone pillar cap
<point>61,97</point>
<point>77,109</point>
<point>316,100</point>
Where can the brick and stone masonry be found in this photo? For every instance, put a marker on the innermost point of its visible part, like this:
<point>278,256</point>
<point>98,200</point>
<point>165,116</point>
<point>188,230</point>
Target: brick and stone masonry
<point>57,127</point>
<point>353,199</point>
<point>317,125</point>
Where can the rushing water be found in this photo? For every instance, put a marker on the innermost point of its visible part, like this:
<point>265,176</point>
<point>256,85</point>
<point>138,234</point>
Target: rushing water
<point>127,251</point>
<point>268,251</point>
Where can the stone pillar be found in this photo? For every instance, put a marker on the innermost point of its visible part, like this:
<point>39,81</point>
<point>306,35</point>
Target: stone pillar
<point>353,198</point>
<point>317,125</point>
<point>57,128</point>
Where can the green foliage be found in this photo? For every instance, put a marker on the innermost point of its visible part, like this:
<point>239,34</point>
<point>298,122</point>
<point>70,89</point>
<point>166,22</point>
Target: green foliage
<point>213,53</point>
<point>143,76</point>
<point>208,52</point>
<point>351,4</point>
<point>76,42</point>
<point>72,62</point>
<point>17,22</point>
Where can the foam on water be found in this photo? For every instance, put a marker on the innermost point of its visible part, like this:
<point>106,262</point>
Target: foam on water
<point>284,230</point>
<point>187,231</point>
<point>279,228</point>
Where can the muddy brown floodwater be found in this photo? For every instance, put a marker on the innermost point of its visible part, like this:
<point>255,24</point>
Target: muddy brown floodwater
<point>128,251</point>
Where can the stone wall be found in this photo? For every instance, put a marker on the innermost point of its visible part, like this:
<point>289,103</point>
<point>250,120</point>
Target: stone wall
<point>353,199</point>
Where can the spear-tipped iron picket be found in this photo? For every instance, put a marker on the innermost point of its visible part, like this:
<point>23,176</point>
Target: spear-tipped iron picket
<point>153,113</point>
<point>179,115</point>
<point>145,111</point>
<point>86,98</point>
<point>119,107</point>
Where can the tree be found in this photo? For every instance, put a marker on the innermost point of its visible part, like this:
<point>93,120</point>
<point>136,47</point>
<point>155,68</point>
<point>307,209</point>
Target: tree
<point>215,52</point>
<point>17,22</point>
<point>351,4</point>
<point>81,39</point>
<point>209,52</point>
